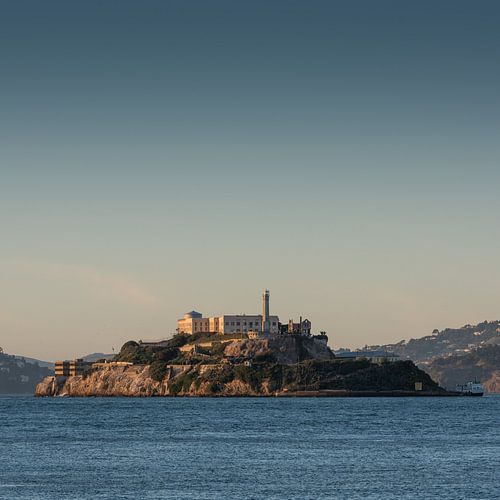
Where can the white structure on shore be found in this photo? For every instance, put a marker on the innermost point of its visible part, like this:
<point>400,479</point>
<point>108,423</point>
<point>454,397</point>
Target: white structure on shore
<point>257,325</point>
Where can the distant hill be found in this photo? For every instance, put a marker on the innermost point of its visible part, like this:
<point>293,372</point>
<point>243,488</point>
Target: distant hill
<point>482,364</point>
<point>451,341</point>
<point>456,355</point>
<point>33,361</point>
<point>20,375</point>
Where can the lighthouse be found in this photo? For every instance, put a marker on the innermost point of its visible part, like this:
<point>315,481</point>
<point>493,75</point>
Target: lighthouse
<point>266,324</point>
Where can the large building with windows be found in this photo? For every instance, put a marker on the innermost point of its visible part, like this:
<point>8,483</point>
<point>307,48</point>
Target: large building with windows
<point>260,324</point>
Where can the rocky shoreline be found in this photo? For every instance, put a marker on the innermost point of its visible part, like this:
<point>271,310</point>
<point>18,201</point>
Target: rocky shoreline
<point>284,366</point>
<point>310,379</point>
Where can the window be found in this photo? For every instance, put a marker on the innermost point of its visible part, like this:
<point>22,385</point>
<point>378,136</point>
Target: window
<point>237,323</point>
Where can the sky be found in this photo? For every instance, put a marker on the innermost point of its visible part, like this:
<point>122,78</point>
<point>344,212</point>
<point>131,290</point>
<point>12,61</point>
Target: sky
<point>163,156</point>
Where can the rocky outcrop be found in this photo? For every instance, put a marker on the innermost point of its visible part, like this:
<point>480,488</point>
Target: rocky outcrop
<point>113,381</point>
<point>492,384</point>
<point>286,349</point>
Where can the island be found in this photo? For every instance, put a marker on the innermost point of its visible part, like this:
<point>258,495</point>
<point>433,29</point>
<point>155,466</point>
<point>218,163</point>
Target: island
<point>240,355</point>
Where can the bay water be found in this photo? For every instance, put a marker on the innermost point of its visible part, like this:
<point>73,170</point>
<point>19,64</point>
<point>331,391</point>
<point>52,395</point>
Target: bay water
<point>249,448</point>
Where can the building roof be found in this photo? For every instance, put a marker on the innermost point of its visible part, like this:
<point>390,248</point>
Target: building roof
<point>193,314</point>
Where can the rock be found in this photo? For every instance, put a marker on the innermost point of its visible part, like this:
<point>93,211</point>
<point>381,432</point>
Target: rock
<point>113,381</point>
<point>493,383</point>
<point>286,349</point>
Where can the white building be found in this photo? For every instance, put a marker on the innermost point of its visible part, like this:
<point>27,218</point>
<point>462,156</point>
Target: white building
<point>243,323</point>
<point>262,324</point>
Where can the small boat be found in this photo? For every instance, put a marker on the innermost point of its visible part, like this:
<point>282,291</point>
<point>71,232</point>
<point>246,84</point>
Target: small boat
<point>471,388</point>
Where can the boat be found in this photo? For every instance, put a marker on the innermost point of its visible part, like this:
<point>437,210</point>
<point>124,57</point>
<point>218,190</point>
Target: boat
<point>471,388</point>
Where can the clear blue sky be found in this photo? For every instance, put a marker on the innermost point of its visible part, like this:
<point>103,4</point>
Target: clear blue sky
<point>161,156</point>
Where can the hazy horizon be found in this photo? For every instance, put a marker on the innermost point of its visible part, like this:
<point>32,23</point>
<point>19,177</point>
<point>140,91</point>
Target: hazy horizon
<point>167,156</point>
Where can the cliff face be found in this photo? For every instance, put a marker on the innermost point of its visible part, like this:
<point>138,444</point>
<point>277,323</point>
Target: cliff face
<point>240,380</point>
<point>287,349</point>
<point>492,384</point>
<point>115,381</point>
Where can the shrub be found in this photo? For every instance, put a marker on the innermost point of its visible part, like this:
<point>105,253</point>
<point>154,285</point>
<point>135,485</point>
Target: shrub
<point>167,354</point>
<point>247,375</point>
<point>266,357</point>
<point>158,370</point>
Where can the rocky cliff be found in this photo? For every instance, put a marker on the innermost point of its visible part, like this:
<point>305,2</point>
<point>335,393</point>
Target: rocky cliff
<point>286,349</point>
<point>113,381</point>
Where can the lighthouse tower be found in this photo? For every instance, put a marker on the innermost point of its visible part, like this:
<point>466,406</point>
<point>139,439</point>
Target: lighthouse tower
<point>266,324</point>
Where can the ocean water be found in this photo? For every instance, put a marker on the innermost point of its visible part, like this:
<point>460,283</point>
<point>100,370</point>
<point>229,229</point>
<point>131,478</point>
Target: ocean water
<point>447,448</point>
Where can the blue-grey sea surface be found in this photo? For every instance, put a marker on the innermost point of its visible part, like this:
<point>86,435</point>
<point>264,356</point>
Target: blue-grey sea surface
<point>179,448</point>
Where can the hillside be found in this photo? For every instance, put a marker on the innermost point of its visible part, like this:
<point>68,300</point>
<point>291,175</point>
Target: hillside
<point>450,341</point>
<point>19,375</point>
<point>481,364</point>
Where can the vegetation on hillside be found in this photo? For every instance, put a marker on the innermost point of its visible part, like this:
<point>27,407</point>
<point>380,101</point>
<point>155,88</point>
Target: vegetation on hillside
<point>169,353</point>
<point>259,351</point>
<point>145,355</point>
<point>355,375</point>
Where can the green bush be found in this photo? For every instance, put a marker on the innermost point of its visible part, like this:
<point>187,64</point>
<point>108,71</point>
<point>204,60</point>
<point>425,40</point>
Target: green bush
<point>247,375</point>
<point>158,370</point>
<point>167,354</point>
